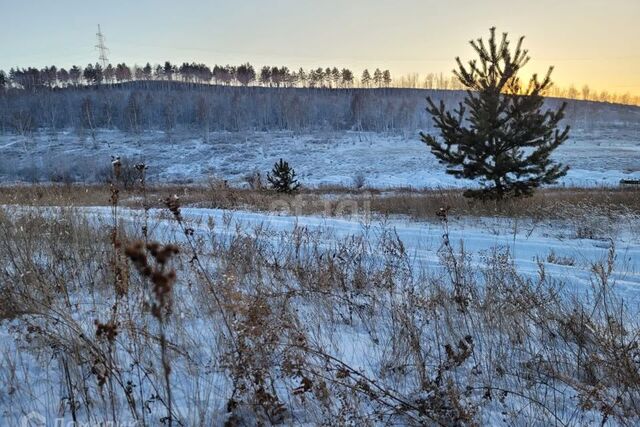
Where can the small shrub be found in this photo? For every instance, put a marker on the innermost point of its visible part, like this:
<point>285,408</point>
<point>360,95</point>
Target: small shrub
<point>359,181</point>
<point>128,174</point>
<point>62,175</point>
<point>554,258</point>
<point>254,180</point>
<point>216,183</point>
<point>283,178</point>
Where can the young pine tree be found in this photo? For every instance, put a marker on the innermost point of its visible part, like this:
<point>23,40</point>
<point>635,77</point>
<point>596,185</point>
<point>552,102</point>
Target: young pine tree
<point>283,178</point>
<point>499,135</point>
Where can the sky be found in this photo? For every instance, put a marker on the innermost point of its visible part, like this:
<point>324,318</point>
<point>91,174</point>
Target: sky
<point>595,42</point>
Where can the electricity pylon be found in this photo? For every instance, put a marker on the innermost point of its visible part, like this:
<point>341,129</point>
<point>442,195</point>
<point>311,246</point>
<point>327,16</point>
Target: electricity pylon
<point>102,49</point>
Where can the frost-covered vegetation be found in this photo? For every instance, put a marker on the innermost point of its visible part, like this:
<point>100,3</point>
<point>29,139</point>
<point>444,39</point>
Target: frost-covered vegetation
<point>601,155</point>
<point>191,133</point>
<point>243,319</point>
<point>169,106</point>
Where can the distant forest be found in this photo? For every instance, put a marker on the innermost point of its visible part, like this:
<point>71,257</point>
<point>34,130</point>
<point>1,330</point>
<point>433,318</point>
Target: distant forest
<point>243,75</point>
<point>184,98</point>
<point>52,77</point>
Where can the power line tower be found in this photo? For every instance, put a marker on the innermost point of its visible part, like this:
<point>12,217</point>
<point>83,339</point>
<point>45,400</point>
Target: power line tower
<point>102,48</point>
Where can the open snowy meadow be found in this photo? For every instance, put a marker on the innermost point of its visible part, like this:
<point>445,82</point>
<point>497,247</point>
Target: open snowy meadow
<point>599,156</point>
<point>325,317</point>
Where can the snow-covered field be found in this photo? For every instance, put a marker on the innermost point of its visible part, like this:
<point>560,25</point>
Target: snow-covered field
<point>528,241</point>
<point>201,378</point>
<point>473,319</point>
<point>597,156</point>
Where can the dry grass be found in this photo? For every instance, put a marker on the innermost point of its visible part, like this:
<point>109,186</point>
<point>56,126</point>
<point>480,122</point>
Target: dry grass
<point>335,201</point>
<point>252,327</point>
<point>548,203</point>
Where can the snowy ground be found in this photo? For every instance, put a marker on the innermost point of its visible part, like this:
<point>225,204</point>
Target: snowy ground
<point>559,244</point>
<point>555,243</point>
<point>598,156</point>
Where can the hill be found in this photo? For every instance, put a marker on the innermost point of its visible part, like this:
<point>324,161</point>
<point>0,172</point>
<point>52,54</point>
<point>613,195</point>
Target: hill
<point>190,133</point>
<point>163,105</point>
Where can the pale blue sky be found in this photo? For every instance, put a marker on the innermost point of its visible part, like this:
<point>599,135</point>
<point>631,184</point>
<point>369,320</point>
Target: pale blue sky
<point>589,41</point>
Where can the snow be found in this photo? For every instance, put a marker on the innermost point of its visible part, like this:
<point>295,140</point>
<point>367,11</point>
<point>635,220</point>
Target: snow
<point>597,157</point>
<point>527,240</point>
